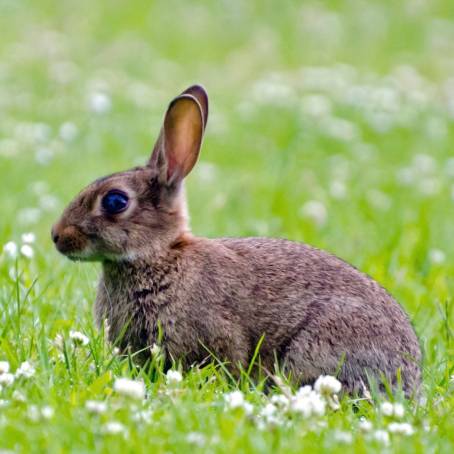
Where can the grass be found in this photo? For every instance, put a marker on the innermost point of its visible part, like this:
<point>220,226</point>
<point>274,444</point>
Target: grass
<point>330,124</point>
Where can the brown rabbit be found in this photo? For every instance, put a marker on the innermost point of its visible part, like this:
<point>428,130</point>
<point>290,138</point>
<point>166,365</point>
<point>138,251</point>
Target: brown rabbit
<point>318,315</point>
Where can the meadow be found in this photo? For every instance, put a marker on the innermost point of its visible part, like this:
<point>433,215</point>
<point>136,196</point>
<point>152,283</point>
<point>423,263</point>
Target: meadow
<point>330,123</point>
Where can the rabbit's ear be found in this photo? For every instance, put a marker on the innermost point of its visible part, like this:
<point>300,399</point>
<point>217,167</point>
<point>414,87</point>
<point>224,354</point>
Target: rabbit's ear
<point>178,145</point>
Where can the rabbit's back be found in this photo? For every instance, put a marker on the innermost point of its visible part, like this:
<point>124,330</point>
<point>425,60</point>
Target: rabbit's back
<point>314,309</point>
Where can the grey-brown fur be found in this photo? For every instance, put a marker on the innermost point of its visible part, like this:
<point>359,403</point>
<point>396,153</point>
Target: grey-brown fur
<point>316,312</point>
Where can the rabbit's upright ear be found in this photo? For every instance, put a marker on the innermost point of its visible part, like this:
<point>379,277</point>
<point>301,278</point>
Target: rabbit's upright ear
<point>178,146</point>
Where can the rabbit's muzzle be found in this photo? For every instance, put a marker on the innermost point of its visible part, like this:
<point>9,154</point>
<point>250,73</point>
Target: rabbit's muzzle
<point>68,239</point>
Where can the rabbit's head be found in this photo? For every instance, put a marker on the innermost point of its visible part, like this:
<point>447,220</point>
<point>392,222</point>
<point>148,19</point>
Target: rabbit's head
<point>139,212</point>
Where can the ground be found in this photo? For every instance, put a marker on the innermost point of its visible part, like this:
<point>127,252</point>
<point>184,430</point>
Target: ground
<point>329,124</point>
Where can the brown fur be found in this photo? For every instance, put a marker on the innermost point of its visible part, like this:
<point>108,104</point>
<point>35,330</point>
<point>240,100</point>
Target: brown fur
<point>317,313</point>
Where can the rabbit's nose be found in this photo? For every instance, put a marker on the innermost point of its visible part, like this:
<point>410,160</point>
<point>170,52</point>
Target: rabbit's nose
<point>55,236</point>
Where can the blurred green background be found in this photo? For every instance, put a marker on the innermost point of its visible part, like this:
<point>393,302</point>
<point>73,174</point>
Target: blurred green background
<point>330,123</point>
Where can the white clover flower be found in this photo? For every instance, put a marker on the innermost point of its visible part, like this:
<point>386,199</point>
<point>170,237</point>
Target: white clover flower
<point>398,410</point>
<point>364,425</point>
<point>387,408</point>
<point>280,400</point>
<point>44,155</point>
<point>338,190</point>
<point>10,248</point>
<point>114,428</point>
<point>155,350</point>
<point>27,251</point>
<point>95,406</point>
<point>47,412</point>
<point>25,370</point>
<point>145,416</point>
<point>28,237</point>
<point>6,379</point>
<point>401,428</point>
<point>100,103</point>
<point>343,437</point>
<point>4,367</point>
<point>29,215</point>
<point>381,436</point>
<point>18,396</point>
<point>59,341</point>
<point>78,338</point>
<point>196,438</point>
<point>68,131</point>
<point>327,385</point>
<point>130,388</point>
<point>316,211</point>
<point>308,403</point>
<point>271,415</point>
<point>173,377</point>
<point>235,399</point>
<point>437,256</point>
<point>33,413</point>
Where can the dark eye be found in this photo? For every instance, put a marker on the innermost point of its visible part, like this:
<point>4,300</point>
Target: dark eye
<point>115,202</point>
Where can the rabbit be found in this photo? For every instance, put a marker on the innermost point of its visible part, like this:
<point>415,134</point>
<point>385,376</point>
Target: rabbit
<point>314,313</point>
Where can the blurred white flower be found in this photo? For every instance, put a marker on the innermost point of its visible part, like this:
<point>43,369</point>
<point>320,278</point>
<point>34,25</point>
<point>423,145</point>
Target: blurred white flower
<point>10,248</point>
<point>130,388</point>
<point>114,428</point>
<point>33,413</point>
<point>364,425</point>
<point>155,349</point>
<point>68,131</point>
<point>343,437</point>
<point>398,410</point>
<point>437,256</point>
<point>387,408</point>
<point>25,370</point>
<point>27,251</point>
<point>47,412</point>
<point>235,399</point>
<point>95,406</point>
<point>43,155</point>
<point>4,367</point>
<point>196,438</point>
<point>28,237</point>
<point>316,105</point>
<point>145,416</point>
<point>424,163</point>
<point>59,341</point>
<point>48,202</point>
<point>100,103</point>
<point>378,199</point>
<point>280,400</point>
<point>401,428</point>
<point>173,377</point>
<point>308,402</point>
<point>29,215</point>
<point>270,415</point>
<point>381,436</point>
<point>79,338</point>
<point>338,190</point>
<point>316,211</point>
<point>429,186</point>
<point>327,385</point>
<point>6,379</point>
<point>340,129</point>
<point>18,396</point>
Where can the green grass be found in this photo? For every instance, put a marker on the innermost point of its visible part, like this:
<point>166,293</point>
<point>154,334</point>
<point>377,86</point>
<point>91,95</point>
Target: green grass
<point>350,105</point>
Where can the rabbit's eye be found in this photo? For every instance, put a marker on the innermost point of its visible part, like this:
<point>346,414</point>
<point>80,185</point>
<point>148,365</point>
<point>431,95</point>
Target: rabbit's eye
<point>115,202</point>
